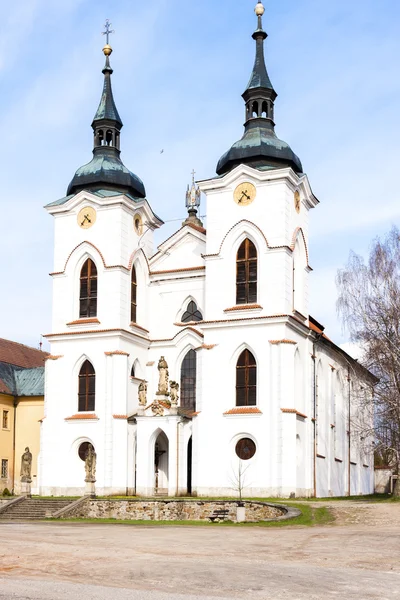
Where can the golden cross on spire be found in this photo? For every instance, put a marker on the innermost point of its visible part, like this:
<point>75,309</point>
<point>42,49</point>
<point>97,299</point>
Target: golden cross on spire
<point>108,31</point>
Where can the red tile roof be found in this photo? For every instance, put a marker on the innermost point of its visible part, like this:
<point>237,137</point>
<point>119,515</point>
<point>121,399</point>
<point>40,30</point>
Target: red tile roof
<point>19,355</point>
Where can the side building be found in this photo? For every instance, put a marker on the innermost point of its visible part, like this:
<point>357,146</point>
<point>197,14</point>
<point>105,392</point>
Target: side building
<point>21,410</point>
<point>187,364</point>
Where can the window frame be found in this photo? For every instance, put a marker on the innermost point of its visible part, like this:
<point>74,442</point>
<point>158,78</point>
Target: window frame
<point>133,288</point>
<point>4,462</point>
<point>185,318</point>
<point>246,295</point>
<point>87,394</point>
<point>247,386</point>
<point>92,291</point>
<point>5,419</point>
<point>188,397</point>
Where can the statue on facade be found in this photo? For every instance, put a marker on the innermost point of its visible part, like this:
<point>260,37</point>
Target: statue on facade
<point>90,464</point>
<point>163,377</point>
<point>157,409</point>
<point>142,394</point>
<point>174,386</point>
<point>26,466</point>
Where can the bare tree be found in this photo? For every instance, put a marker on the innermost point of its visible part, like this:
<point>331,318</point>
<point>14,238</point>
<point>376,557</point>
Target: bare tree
<point>369,305</point>
<point>238,478</point>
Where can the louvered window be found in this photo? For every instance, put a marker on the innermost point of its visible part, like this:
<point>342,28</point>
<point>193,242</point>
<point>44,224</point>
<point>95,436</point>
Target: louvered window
<point>87,387</point>
<point>133,296</point>
<point>88,290</point>
<point>246,273</point>
<point>246,380</point>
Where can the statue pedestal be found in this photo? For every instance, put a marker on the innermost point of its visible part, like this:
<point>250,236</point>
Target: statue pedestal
<point>173,410</point>
<point>141,411</point>
<point>90,489</point>
<point>26,488</point>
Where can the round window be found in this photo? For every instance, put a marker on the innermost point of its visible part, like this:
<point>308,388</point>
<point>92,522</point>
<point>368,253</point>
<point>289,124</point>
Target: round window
<point>83,448</point>
<point>245,449</point>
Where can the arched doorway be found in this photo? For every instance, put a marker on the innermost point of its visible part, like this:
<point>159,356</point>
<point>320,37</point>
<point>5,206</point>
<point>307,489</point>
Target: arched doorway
<point>161,464</point>
<point>189,467</point>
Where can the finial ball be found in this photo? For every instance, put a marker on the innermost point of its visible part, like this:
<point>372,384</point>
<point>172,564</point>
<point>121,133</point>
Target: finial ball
<point>259,9</point>
<point>107,50</point>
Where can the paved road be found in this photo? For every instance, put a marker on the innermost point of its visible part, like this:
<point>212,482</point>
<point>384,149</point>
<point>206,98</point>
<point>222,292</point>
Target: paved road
<point>57,561</point>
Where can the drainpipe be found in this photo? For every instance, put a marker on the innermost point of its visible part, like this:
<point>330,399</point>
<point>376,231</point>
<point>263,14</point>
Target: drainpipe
<point>14,436</point>
<point>349,431</point>
<point>314,357</point>
<point>177,458</point>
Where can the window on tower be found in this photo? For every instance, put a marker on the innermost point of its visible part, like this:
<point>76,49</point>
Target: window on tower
<point>246,380</point>
<point>133,296</point>
<point>246,273</point>
<point>88,290</point>
<point>188,380</point>
<point>192,313</point>
<point>87,387</point>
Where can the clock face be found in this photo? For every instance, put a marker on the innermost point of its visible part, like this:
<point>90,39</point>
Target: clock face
<point>244,194</point>
<point>86,217</point>
<point>297,203</point>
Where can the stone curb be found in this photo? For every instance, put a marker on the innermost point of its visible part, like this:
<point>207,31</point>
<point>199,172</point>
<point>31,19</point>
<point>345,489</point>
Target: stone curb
<point>11,503</point>
<point>290,512</point>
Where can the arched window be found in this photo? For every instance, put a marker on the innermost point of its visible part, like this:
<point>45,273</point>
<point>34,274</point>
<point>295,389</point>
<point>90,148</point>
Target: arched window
<point>133,296</point>
<point>246,273</point>
<point>87,387</point>
<point>246,380</point>
<point>265,109</point>
<point>133,370</point>
<point>192,313</point>
<point>188,380</point>
<point>255,109</point>
<point>88,291</point>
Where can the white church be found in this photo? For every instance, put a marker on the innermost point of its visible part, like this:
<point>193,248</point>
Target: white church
<point>194,364</point>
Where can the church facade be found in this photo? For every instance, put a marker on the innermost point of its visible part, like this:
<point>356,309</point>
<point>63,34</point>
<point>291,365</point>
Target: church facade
<point>194,368</point>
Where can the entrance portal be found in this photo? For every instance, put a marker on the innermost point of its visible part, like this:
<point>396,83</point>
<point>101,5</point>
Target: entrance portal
<point>161,464</point>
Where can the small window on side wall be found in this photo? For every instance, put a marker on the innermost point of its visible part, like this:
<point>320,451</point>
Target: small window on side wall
<point>192,313</point>
<point>133,370</point>
<point>246,273</point>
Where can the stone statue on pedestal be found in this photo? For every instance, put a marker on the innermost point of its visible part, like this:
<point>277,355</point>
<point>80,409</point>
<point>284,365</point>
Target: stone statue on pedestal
<point>90,465</point>
<point>163,377</point>
<point>26,472</point>
<point>174,386</point>
<point>26,466</point>
<point>142,393</point>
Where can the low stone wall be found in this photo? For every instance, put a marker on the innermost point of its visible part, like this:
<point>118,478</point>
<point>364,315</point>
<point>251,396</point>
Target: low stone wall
<point>176,510</point>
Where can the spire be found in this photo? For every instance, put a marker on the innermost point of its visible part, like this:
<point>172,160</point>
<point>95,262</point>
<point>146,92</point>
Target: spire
<point>107,109</point>
<point>259,146</point>
<point>193,197</point>
<point>106,170</point>
<point>259,76</point>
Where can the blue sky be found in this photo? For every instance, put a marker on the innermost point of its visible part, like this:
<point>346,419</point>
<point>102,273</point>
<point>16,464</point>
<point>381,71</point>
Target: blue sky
<point>179,71</point>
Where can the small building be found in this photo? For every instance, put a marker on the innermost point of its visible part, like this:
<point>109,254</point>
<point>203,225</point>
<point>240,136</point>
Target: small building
<point>21,410</point>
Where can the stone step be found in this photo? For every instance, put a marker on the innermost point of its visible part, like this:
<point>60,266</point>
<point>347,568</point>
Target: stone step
<point>34,509</point>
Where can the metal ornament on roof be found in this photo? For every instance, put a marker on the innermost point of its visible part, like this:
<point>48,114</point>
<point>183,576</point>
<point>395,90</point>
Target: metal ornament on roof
<point>193,195</point>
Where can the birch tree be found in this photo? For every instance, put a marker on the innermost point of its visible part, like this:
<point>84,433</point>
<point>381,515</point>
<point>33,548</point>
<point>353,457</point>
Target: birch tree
<point>369,306</point>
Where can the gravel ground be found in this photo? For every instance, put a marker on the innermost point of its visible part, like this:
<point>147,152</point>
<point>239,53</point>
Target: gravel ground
<point>357,557</point>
